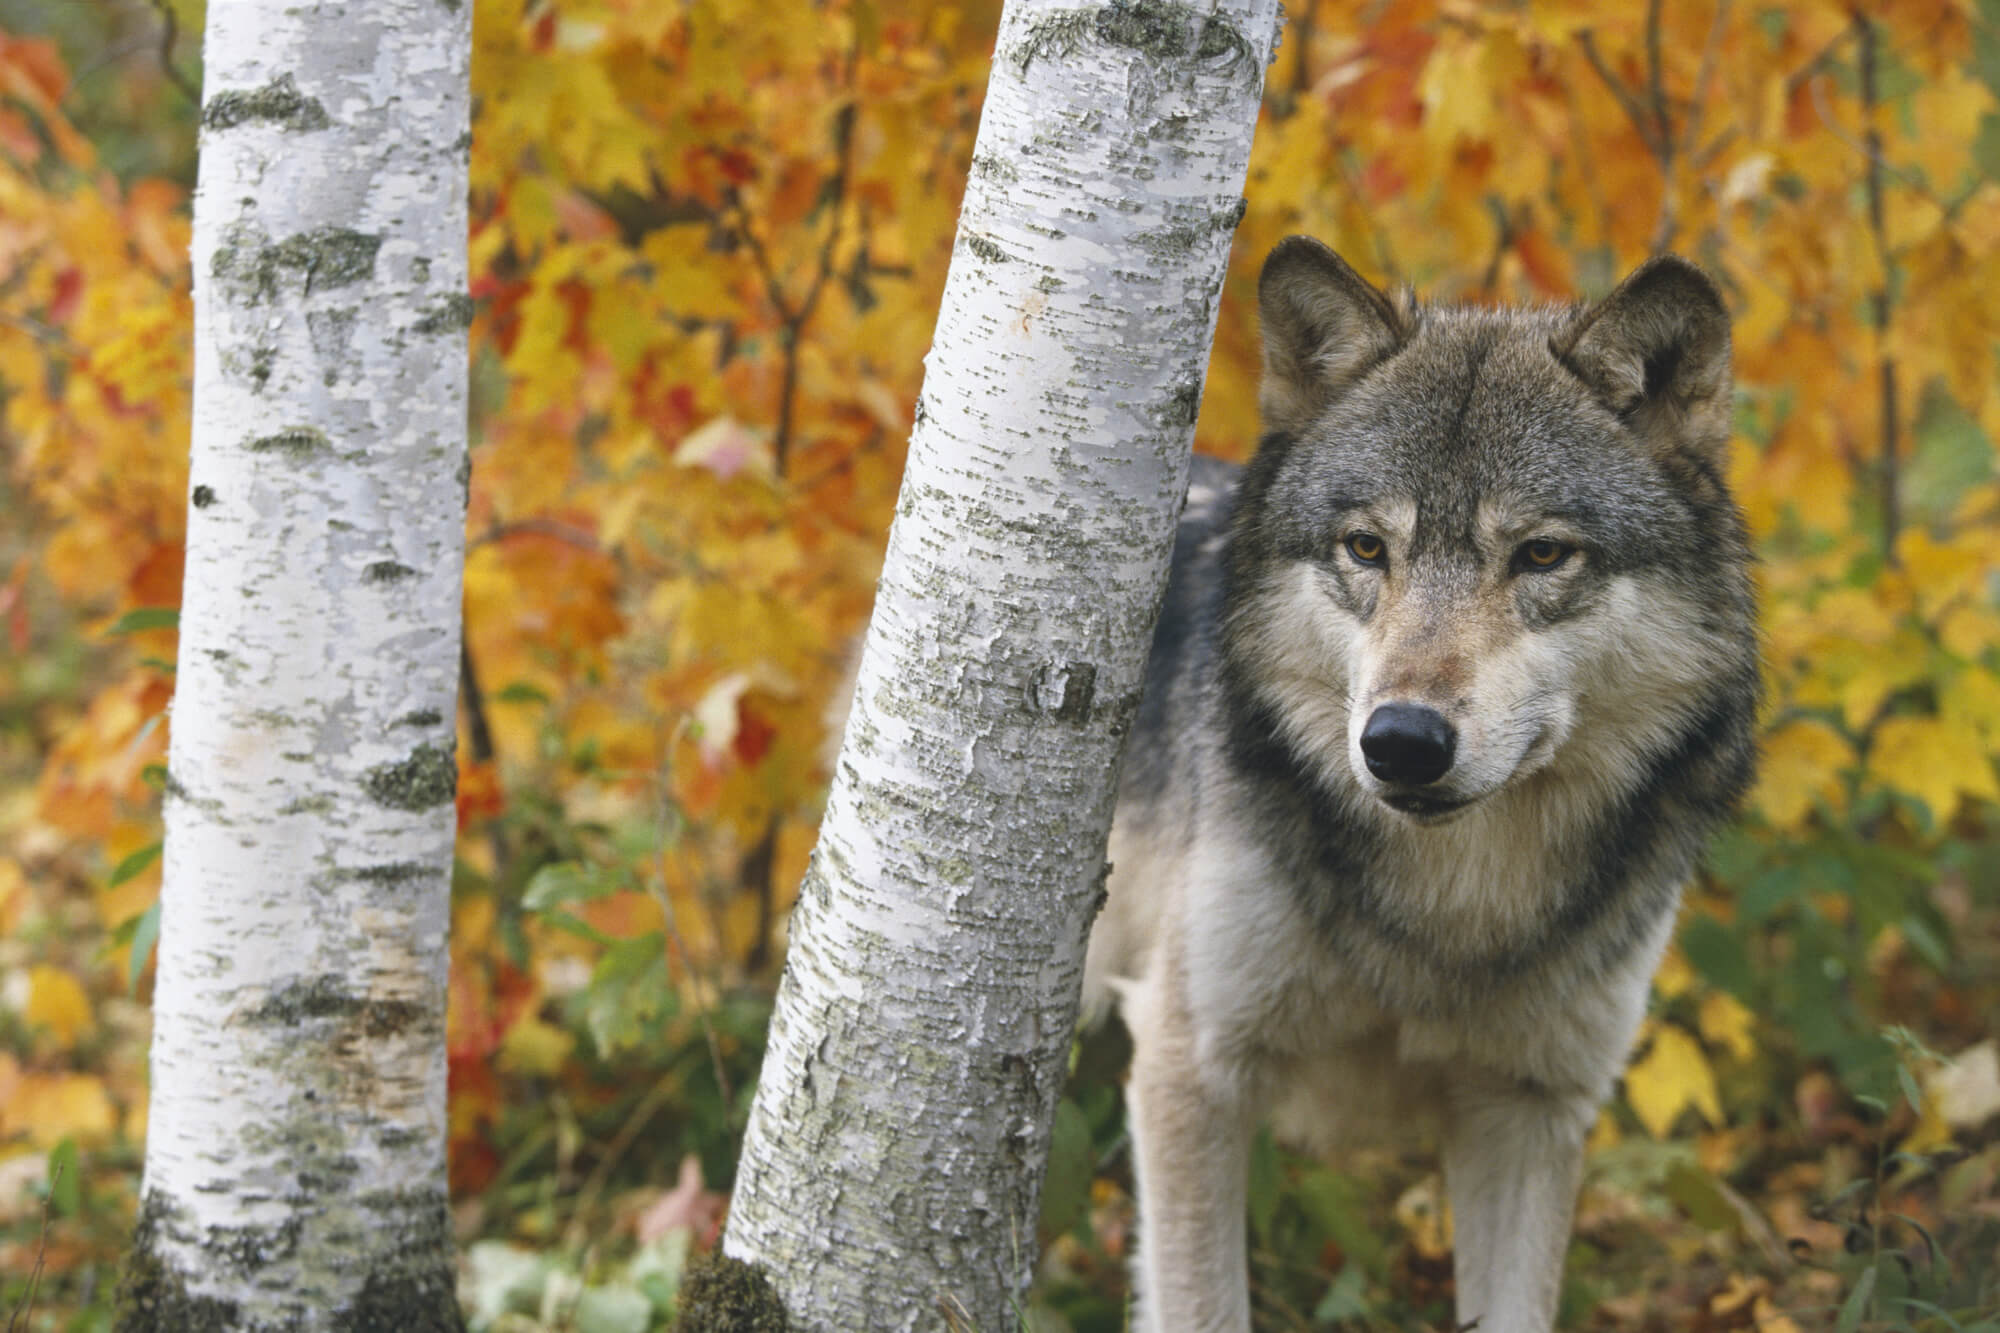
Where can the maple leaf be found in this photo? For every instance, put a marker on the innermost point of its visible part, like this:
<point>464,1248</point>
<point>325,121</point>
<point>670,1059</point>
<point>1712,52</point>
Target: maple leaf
<point>1672,1076</point>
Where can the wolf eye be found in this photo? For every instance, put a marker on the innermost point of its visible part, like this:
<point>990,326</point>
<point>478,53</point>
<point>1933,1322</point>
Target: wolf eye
<point>1542,553</point>
<point>1367,548</point>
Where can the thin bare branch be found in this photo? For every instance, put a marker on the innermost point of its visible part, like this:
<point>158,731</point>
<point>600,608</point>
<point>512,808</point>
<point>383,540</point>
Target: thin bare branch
<point>1886,364</point>
<point>41,332</point>
<point>1626,98</point>
<point>1656,86</point>
<point>538,527</point>
<point>170,29</point>
<point>1711,47</point>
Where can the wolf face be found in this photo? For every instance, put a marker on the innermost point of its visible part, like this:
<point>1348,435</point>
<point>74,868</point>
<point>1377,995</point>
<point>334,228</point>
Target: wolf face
<point>1464,521</point>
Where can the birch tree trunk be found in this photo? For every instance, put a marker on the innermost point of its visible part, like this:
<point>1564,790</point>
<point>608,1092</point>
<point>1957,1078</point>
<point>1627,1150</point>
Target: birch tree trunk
<point>295,1149</point>
<point>896,1146</point>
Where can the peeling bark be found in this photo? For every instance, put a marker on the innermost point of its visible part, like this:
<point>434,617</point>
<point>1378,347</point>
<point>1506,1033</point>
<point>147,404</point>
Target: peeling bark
<point>295,1148</point>
<point>896,1146</point>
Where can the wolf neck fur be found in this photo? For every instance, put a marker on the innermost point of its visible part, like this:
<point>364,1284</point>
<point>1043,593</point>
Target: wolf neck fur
<point>1455,911</point>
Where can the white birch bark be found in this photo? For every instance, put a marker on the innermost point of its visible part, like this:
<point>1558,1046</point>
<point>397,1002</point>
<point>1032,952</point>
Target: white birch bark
<point>896,1146</point>
<point>295,1150</point>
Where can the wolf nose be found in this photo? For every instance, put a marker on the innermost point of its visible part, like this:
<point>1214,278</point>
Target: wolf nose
<point>1408,743</point>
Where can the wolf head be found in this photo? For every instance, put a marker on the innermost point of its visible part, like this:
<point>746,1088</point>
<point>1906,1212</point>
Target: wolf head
<point>1480,545</point>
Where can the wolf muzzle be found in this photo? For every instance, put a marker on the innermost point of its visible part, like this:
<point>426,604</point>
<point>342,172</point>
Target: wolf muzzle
<point>1408,744</point>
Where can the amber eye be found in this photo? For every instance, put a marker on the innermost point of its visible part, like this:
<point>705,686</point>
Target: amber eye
<point>1366,547</point>
<point>1543,553</point>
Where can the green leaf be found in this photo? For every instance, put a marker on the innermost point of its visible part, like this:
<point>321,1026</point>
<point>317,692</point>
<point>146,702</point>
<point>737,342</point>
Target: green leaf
<point>1066,1191</point>
<point>1265,1184</point>
<point>520,692</point>
<point>1340,1208</point>
<point>145,934</point>
<point>147,617</point>
<point>133,864</point>
<point>571,882</point>
<point>501,1279</point>
<point>576,926</point>
<point>1346,1297</point>
<point>1908,1082</point>
<point>1700,1197</point>
<point>1717,953</point>
<point>1926,941</point>
<point>1762,895</point>
<point>629,990</point>
<point>1856,1305</point>
<point>65,1180</point>
<point>1986,147</point>
<point>613,1310</point>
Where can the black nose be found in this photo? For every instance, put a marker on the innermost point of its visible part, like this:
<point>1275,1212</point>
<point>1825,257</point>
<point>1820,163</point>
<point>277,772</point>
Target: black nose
<point>1408,743</point>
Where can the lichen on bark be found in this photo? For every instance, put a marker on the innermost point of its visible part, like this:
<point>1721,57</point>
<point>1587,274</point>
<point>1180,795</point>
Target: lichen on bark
<point>427,778</point>
<point>279,102</point>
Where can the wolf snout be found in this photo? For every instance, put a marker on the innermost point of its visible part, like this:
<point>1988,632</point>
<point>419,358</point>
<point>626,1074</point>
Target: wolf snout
<point>1408,744</point>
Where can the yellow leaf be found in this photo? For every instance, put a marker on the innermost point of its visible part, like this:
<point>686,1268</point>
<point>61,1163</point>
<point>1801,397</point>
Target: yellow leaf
<point>56,1001</point>
<point>1934,761</point>
<point>1724,1021</point>
<point>1972,698</point>
<point>1457,99</point>
<point>1675,977</point>
<point>1672,1076</point>
<point>1931,1132</point>
<point>1425,1214</point>
<point>1968,631</point>
<point>1769,1319</point>
<point>1803,761</point>
<point>51,1107</point>
<point>535,1048</point>
<point>14,895</point>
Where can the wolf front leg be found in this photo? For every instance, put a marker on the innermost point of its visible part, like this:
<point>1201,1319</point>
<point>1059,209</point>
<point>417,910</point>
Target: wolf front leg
<point>1191,1146</point>
<point>1513,1161</point>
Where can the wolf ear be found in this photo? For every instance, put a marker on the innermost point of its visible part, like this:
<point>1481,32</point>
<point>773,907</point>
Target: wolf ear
<point>1323,327</point>
<point>1656,351</point>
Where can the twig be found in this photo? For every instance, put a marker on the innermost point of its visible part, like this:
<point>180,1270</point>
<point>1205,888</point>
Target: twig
<point>600,1174</point>
<point>1656,83</point>
<point>24,1309</point>
<point>538,527</point>
<point>480,727</point>
<point>1691,132</point>
<point>754,874</point>
<point>794,318</point>
<point>1503,239</point>
<point>1871,152</point>
<point>41,332</point>
<point>1886,369</point>
<point>1653,119</point>
<point>1819,58</point>
<point>170,27</point>
<point>1302,34</point>
<point>1758,1226</point>
<point>672,923</point>
<point>1633,111</point>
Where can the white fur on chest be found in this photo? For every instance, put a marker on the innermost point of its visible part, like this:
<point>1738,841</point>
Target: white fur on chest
<point>1269,1001</point>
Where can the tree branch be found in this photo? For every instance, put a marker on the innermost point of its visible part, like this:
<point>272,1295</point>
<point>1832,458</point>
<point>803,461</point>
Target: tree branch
<point>1886,364</point>
<point>1626,99</point>
<point>170,29</point>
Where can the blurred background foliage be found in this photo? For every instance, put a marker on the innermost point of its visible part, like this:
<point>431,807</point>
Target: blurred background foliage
<point>708,242</point>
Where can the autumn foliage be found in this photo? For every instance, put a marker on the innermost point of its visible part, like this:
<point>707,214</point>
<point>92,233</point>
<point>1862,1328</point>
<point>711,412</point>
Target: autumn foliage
<point>707,247</point>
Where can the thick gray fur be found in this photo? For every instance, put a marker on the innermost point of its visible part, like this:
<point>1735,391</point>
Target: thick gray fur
<point>1295,939</point>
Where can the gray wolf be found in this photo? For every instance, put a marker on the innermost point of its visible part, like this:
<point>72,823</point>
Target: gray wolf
<point>1452,682</point>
